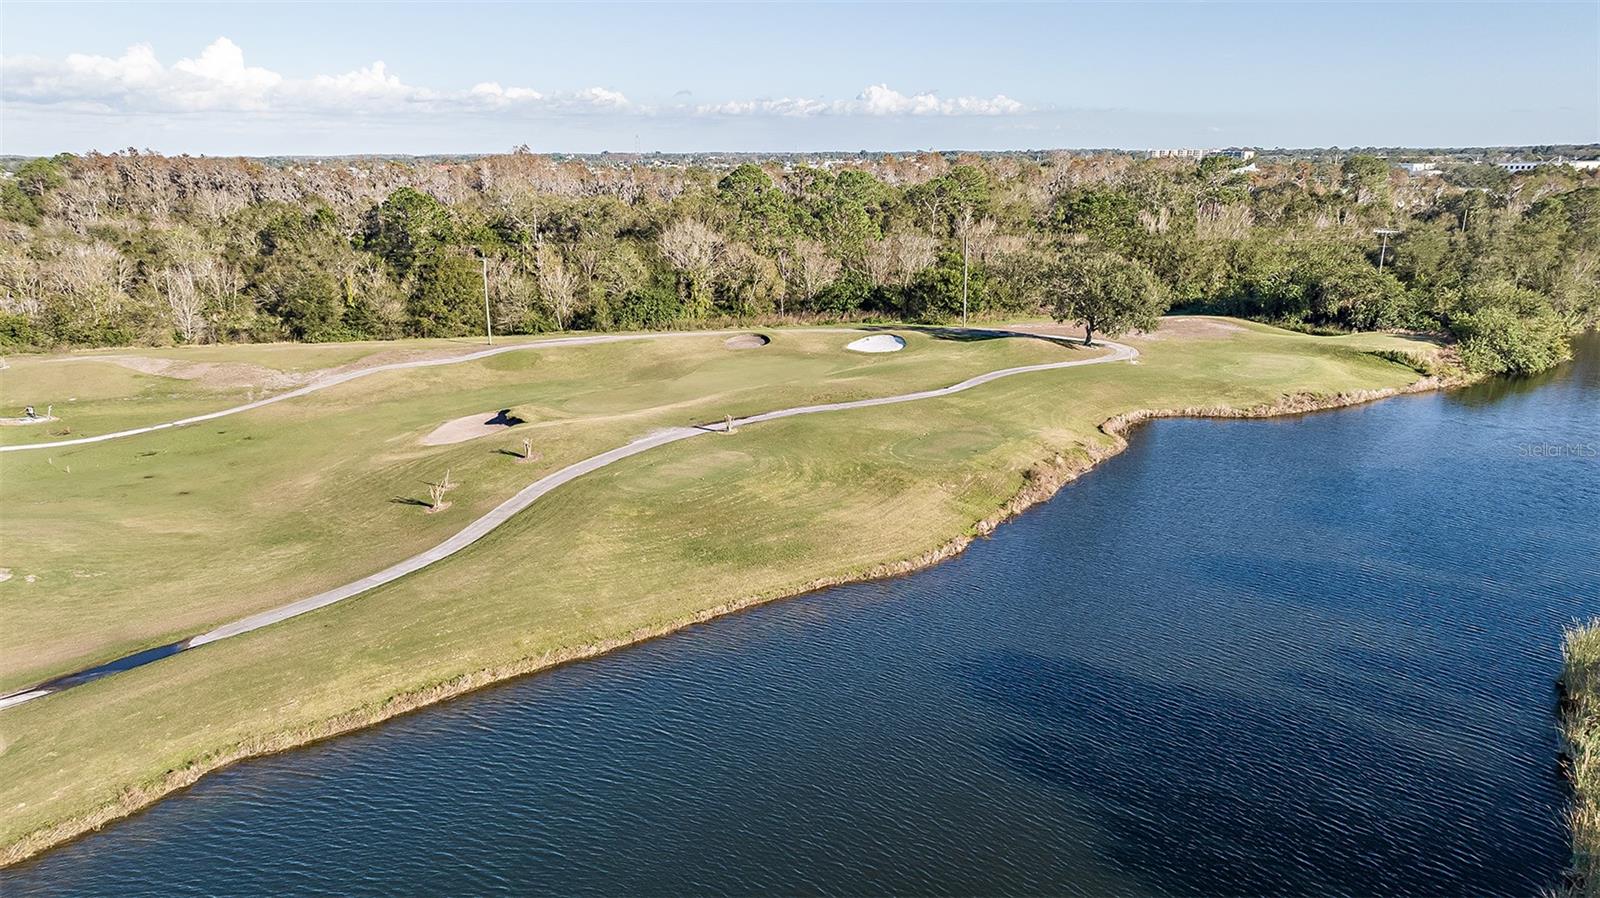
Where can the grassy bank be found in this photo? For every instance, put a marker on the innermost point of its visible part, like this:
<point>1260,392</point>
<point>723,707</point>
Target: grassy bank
<point>1580,728</point>
<point>297,494</point>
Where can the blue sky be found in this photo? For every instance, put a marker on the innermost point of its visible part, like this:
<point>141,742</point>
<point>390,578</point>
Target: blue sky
<point>261,79</point>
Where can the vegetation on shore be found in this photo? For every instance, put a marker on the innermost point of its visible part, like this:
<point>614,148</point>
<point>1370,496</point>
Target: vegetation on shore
<point>1580,730</point>
<point>143,249</point>
<point>647,545</point>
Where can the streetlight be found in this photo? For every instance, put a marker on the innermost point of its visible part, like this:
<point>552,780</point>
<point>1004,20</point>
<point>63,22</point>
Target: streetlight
<point>488,328</point>
<point>1384,246</point>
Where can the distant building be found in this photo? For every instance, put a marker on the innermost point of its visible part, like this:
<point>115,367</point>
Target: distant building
<point>1241,155</point>
<point>1419,168</point>
<point>1178,154</point>
<point>1522,165</point>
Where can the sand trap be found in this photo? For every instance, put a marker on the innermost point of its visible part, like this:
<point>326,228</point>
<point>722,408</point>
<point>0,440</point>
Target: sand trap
<point>24,422</point>
<point>471,427</point>
<point>747,341</point>
<point>877,343</point>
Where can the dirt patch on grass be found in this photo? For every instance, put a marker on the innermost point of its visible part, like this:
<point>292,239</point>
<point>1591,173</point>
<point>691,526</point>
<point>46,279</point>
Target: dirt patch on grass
<point>470,427</point>
<point>221,375</point>
<point>226,375</point>
<point>1189,327</point>
<point>747,341</point>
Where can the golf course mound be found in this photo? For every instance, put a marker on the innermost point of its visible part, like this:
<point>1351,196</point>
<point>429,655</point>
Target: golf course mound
<point>877,343</point>
<point>747,341</point>
<point>471,427</point>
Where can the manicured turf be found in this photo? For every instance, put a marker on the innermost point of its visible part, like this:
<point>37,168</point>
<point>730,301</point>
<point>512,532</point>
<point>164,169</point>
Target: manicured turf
<point>158,536</point>
<point>136,542</point>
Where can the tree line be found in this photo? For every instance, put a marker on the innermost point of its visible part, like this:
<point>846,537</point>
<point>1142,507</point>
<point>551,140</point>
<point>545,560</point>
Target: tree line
<point>133,247</point>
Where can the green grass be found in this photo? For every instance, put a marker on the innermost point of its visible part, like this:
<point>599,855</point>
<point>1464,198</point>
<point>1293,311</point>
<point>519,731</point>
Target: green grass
<point>136,542</point>
<point>93,392</point>
<point>1580,727</point>
<point>138,548</point>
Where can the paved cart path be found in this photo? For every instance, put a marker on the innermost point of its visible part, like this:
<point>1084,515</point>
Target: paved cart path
<point>521,500</point>
<point>333,380</point>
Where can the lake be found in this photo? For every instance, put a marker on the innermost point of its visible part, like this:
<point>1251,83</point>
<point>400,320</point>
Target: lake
<point>1303,656</point>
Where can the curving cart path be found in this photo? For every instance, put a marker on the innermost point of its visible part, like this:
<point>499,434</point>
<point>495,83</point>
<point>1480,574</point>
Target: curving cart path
<point>334,380</point>
<point>502,512</point>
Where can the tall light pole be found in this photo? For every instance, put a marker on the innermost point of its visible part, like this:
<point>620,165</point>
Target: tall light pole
<point>488,328</point>
<point>963,277</point>
<point>966,234</point>
<point>1383,247</point>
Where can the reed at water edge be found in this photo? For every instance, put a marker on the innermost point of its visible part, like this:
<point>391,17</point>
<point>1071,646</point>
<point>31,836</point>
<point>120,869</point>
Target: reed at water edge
<point>1580,731</point>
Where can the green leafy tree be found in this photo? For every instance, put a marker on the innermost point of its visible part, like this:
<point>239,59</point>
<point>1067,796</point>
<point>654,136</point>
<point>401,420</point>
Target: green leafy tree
<point>1497,340</point>
<point>1105,293</point>
<point>935,294</point>
<point>762,215</point>
<point>300,291</point>
<point>447,299</point>
<point>407,229</point>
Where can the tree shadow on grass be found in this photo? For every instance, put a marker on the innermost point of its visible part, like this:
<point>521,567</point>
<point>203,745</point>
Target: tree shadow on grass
<point>980,335</point>
<point>407,500</point>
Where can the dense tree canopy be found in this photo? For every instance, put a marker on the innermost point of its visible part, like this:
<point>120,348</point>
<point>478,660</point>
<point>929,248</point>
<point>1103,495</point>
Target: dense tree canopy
<point>100,250</point>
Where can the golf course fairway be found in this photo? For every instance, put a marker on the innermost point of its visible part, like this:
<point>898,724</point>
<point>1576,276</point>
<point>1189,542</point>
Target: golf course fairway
<point>113,547</point>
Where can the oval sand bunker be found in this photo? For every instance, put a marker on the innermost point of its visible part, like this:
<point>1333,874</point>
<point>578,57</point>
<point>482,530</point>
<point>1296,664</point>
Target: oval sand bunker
<point>747,341</point>
<point>471,427</point>
<point>877,343</point>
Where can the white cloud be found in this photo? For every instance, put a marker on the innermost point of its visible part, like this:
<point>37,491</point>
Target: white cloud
<point>787,106</point>
<point>875,100</point>
<point>880,99</point>
<point>491,93</point>
<point>218,80</point>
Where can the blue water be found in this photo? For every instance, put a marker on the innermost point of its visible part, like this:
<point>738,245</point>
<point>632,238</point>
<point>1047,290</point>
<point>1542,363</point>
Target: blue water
<point>1308,656</point>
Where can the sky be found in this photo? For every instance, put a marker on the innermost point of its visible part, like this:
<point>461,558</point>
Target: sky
<point>423,78</point>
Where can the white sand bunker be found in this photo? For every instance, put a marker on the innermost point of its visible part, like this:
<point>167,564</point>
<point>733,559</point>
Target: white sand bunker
<point>877,343</point>
<point>25,421</point>
<point>747,341</point>
<point>471,427</point>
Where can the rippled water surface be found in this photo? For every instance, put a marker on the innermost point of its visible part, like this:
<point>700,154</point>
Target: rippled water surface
<point>1309,656</point>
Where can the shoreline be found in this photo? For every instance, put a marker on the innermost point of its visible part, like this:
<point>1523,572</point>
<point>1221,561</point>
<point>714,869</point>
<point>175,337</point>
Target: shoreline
<point>1040,482</point>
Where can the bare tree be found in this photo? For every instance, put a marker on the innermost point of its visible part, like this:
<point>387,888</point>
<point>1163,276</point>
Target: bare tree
<point>437,491</point>
<point>692,247</point>
<point>911,253</point>
<point>558,285</point>
<point>814,267</point>
<point>186,302</point>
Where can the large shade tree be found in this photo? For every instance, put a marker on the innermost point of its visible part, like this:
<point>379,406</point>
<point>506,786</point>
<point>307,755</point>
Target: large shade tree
<point>1106,293</point>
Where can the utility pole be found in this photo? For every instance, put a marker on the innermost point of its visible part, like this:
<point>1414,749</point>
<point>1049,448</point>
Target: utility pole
<point>966,233</point>
<point>963,279</point>
<point>1383,247</point>
<point>488,328</point>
